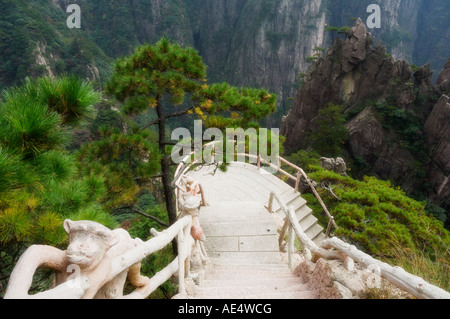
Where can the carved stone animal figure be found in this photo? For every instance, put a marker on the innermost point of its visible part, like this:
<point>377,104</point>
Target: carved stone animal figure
<point>92,248</point>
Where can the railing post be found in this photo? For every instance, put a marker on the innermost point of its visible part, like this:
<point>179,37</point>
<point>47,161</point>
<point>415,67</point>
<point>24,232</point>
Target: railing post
<point>181,261</point>
<point>282,234</point>
<point>269,206</point>
<point>291,239</point>
<point>259,161</point>
<point>327,234</point>
<point>297,182</point>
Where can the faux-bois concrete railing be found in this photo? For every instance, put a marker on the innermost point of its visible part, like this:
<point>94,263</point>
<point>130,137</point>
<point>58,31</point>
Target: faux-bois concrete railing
<point>403,280</point>
<point>187,162</point>
<point>106,276</point>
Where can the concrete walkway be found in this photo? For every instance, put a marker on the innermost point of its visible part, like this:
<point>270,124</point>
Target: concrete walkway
<point>242,237</point>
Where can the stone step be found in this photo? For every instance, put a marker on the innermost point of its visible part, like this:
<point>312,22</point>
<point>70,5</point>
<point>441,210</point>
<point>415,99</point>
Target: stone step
<point>238,228</point>
<point>273,283</point>
<point>236,213</point>
<point>314,231</point>
<point>245,272</point>
<point>307,222</point>
<point>242,275</point>
<point>241,244</point>
<point>302,212</point>
<point>246,257</point>
<point>231,206</point>
<point>208,294</point>
<point>262,175</point>
<point>279,267</point>
<point>259,243</point>
<point>319,238</point>
<point>236,292</point>
<point>297,202</point>
<point>242,237</point>
<point>287,197</point>
<point>247,183</point>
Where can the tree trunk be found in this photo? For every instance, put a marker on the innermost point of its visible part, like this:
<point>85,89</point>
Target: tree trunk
<point>168,190</point>
<point>165,172</point>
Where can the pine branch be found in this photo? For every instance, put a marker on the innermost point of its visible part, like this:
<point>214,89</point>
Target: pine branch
<point>179,113</point>
<point>176,114</point>
<point>150,124</point>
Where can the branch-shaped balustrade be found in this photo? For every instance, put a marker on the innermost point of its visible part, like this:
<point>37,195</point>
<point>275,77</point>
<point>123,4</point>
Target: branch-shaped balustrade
<point>301,173</point>
<point>403,280</point>
<point>181,231</point>
<point>78,286</point>
<point>188,161</point>
<point>291,226</point>
<point>412,284</point>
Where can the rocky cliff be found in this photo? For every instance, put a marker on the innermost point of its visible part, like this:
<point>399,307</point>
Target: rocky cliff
<point>352,72</point>
<point>258,43</point>
<point>244,42</point>
<point>398,22</point>
<point>395,127</point>
<point>437,131</point>
<point>271,42</point>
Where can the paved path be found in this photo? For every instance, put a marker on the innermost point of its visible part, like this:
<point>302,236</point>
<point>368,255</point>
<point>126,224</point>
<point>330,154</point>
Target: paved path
<point>242,237</point>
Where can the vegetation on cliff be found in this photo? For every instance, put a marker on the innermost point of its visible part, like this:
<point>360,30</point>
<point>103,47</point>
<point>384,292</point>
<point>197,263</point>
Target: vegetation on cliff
<point>380,126</point>
<point>62,158</point>
<point>381,220</point>
<point>40,183</point>
<point>123,168</point>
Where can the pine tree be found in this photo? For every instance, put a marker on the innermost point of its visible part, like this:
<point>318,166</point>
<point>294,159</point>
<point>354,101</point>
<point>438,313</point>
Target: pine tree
<point>39,184</point>
<point>126,161</point>
<point>171,80</point>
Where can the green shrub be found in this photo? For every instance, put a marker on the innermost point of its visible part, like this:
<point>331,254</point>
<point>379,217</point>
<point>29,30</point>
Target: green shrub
<point>39,186</point>
<point>381,220</point>
<point>331,132</point>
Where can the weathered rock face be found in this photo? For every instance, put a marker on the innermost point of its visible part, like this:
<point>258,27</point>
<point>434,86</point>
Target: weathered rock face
<point>337,165</point>
<point>244,42</point>
<point>259,43</point>
<point>356,74</point>
<point>443,81</point>
<point>437,132</point>
<point>355,50</point>
<point>366,135</point>
<point>367,140</point>
<point>350,73</point>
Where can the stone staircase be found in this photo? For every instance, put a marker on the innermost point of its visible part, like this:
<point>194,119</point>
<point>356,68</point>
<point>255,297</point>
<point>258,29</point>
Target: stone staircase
<point>250,282</point>
<point>244,182</point>
<point>306,219</point>
<point>240,232</point>
<point>244,261</point>
<point>242,245</point>
<point>242,236</point>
